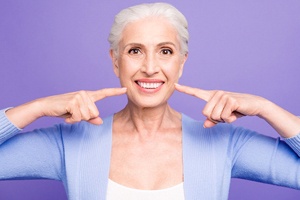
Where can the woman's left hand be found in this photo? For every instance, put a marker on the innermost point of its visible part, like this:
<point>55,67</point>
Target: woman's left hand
<point>228,106</point>
<point>225,106</point>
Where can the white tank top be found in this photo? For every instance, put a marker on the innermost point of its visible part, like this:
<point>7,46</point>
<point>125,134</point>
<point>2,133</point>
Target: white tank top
<point>116,191</point>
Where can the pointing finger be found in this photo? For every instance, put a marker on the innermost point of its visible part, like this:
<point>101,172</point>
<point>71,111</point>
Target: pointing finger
<point>107,92</point>
<point>202,94</point>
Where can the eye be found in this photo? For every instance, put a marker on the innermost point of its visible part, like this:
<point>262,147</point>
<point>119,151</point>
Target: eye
<point>134,51</point>
<point>166,51</point>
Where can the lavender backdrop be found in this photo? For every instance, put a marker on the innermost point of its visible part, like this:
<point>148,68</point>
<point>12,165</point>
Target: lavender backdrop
<point>50,47</point>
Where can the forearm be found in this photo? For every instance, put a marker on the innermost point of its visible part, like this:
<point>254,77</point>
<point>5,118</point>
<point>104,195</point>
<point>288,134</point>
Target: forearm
<point>284,122</point>
<point>23,115</point>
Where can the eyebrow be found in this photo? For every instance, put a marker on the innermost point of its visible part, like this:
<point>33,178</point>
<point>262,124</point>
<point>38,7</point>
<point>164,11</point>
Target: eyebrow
<point>159,44</point>
<point>166,43</point>
<point>133,44</point>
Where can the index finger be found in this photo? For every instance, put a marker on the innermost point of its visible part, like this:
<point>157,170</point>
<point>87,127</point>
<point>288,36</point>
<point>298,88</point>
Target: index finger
<point>202,94</point>
<point>107,92</point>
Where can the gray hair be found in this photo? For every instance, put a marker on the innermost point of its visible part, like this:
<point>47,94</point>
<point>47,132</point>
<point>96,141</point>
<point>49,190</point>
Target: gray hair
<point>135,13</point>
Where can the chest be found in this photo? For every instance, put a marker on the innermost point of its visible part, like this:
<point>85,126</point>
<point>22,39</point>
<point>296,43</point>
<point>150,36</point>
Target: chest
<point>154,163</point>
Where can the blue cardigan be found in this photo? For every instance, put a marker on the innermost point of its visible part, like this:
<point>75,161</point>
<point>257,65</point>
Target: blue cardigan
<point>79,156</point>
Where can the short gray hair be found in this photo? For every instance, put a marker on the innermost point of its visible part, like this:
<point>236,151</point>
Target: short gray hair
<point>135,13</point>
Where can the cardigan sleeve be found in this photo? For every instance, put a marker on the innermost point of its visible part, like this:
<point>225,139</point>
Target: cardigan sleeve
<point>268,160</point>
<point>32,155</point>
<point>7,129</point>
<point>294,143</point>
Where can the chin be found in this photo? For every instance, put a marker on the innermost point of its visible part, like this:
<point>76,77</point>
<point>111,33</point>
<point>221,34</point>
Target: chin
<point>148,102</point>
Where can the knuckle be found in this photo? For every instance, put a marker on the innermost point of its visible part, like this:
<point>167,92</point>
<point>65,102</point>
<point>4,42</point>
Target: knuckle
<point>205,112</point>
<point>231,102</point>
<point>73,104</point>
<point>81,93</point>
<point>85,116</point>
<point>215,117</point>
<point>76,97</point>
<point>231,119</point>
<point>70,106</point>
<point>220,93</point>
<point>224,96</point>
<point>225,118</point>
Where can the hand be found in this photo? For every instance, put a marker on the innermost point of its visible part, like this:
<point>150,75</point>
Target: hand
<point>74,107</point>
<point>78,106</point>
<point>225,106</point>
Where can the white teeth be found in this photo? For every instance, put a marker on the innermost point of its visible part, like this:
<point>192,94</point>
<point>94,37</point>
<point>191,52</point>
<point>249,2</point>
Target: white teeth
<point>149,85</point>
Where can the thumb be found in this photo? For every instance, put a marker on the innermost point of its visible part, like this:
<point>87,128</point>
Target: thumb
<point>208,124</point>
<point>96,121</point>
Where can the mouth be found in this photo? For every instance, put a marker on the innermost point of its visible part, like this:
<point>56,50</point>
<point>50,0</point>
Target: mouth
<point>149,85</point>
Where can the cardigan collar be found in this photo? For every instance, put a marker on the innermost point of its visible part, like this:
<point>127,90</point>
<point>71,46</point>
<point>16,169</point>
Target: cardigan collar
<point>190,133</point>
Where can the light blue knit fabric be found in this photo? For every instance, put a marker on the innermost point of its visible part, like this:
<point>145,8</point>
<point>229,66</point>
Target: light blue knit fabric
<point>79,156</point>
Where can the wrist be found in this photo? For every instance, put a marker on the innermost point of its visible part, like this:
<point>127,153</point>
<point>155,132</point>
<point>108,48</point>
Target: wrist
<point>268,109</point>
<point>38,108</point>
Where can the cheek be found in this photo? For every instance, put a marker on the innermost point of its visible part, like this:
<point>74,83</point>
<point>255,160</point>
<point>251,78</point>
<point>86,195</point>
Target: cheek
<point>172,70</point>
<point>127,69</point>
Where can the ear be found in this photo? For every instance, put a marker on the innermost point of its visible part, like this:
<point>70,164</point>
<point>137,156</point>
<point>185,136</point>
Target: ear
<point>182,64</point>
<point>114,60</point>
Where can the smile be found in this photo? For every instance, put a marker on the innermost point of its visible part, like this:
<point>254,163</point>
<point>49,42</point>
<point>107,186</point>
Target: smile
<point>147,85</point>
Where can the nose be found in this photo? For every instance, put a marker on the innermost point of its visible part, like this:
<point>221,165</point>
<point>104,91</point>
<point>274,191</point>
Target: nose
<point>150,65</point>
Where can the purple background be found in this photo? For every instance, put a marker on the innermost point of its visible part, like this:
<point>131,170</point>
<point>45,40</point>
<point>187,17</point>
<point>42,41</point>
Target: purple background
<point>50,47</point>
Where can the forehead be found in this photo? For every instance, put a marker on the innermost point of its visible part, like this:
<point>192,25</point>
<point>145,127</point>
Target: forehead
<point>149,30</point>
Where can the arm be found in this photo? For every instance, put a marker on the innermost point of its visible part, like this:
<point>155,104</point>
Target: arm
<point>74,107</point>
<point>7,129</point>
<point>38,154</point>
<point>264,159</point>
<point>255,157</point>
<point>228,106</point>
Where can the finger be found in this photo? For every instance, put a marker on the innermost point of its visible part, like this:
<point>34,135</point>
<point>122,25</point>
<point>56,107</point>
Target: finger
<point>217,105</point>
<point>75,115</point>
<point>229,115</point>
<point>107,92</point>
<point>96,121</point>
<point>83,103</point>
<point>208,123</point>
<point>93,110</point>
<point>214,107</point>
<point>202,94</point>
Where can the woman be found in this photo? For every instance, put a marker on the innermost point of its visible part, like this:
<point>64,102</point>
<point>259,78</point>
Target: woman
<point>148,149</point>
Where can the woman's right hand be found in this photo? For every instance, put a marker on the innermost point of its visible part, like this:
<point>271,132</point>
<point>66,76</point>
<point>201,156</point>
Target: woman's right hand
<point>74,107</point>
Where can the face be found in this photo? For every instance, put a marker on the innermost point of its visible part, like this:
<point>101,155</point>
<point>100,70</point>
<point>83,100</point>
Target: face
<point>149,61</point>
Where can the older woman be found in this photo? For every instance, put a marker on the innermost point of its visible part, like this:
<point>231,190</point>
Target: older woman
<point>149,150</point>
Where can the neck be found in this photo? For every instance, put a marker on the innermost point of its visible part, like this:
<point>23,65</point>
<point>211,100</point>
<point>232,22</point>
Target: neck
<point>148,121</point>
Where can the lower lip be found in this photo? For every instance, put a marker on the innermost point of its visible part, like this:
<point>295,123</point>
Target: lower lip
<point>149,91</point>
